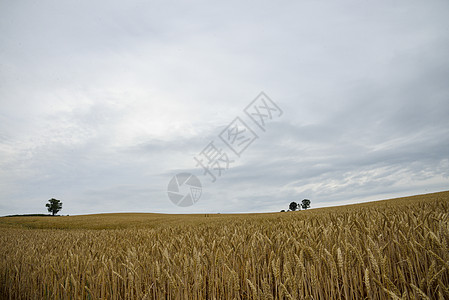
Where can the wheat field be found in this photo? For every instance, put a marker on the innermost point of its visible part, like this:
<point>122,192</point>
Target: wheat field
<point>392,249</point>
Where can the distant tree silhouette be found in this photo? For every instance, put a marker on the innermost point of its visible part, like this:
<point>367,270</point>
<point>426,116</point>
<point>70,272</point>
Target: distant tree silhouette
<point>293,206</point>
<point>283,210</point>
<point>54,206</point>
<point>305,204</point>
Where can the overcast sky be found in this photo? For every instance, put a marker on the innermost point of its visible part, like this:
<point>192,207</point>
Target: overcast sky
<point>103,102</point>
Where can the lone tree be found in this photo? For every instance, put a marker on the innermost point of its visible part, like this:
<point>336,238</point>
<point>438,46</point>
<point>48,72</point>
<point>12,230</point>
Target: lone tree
<point>54,206</point>
<point>293,206</point>
<point>305,204</point>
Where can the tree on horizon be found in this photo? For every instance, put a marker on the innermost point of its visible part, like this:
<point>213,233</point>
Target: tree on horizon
<point>305,204</point>
<point>54,206</point>
<point>293,206</point>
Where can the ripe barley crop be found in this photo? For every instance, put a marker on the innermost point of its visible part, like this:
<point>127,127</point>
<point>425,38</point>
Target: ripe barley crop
<point>382,250</point>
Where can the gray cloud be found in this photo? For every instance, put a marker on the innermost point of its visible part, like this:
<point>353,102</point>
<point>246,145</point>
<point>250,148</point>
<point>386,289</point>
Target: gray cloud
<point>101,104</point>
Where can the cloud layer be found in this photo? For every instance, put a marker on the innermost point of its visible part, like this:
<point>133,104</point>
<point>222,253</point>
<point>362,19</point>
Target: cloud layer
<point>101,104</point>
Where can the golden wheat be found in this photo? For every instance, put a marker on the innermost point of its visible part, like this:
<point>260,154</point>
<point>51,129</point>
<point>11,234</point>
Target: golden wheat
<point>387,249</point>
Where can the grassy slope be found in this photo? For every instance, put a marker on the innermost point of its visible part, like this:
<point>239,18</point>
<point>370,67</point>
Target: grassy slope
<point>151,220</point>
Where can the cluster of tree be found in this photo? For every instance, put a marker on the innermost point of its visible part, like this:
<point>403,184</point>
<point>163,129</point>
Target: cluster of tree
<point>305,204</point>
